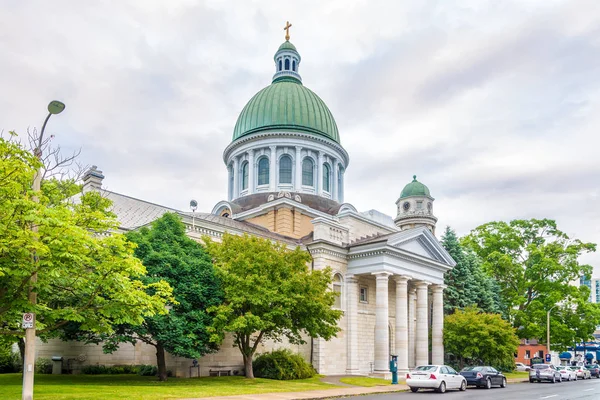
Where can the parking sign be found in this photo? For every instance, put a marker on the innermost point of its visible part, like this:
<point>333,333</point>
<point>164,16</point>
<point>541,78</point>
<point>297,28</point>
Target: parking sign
<point>548,358</point>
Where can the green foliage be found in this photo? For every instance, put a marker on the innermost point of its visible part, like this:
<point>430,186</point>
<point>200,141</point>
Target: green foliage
<point>9,361</point>
<point>478,338</point>
<point>468,285</point>
<point>269,293</point>
<point>147,370</point>
<point>534,263</point>
<point>170,255</point>
<point>142,370</point>
<point>43,366</point>
<point>85,274</point>
<point>282,365</point>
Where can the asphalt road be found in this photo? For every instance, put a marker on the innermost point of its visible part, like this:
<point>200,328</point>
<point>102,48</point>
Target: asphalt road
<point>582,389</point>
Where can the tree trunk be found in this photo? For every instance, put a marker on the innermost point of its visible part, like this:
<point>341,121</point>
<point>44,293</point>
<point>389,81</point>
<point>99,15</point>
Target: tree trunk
<point>160,361</point>
<point>248,366</point>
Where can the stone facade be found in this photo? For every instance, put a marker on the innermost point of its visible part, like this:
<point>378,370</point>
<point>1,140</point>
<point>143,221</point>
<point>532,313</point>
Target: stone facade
<point>286,183</point>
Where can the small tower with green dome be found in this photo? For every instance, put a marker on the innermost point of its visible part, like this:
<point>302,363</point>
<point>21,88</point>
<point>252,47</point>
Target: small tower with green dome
<point>415,207</point>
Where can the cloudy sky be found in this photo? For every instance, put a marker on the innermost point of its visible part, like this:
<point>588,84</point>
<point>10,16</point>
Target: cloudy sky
<point>493,104</point>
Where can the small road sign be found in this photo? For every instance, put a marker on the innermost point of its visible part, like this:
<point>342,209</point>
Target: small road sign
<point>548,358</point>
<point>28,320</point>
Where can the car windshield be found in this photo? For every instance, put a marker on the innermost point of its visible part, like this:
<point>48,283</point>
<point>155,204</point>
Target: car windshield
<point>541,366</point>
<point>426,368</point>
<point>561,368</point>
<point>465,369</point>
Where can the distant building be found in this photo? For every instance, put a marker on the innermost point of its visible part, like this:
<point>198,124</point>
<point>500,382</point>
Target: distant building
<point>528,349</point>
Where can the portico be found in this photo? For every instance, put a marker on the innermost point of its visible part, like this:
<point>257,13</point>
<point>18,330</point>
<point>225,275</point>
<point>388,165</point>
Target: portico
<point>408,267</point>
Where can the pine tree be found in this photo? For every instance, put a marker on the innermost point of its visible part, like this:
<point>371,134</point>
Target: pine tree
<point>467,283</point>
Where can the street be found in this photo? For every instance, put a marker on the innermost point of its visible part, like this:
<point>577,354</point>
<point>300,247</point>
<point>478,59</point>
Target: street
<point>588,389</point>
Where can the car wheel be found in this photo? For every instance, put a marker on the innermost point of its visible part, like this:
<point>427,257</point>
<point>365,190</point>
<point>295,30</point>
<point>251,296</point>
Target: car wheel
<point>569,378</point>
<point>560,379</point>
<point>503,384</point>
<point>463,386</point>
<point>530,380</point>
<point>442,387</point>
<point>414,390</point>
<point>553,379</point>
<point>488,383</point>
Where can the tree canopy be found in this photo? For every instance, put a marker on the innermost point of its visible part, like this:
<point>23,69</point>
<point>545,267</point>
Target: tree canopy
<point>475,337</point>
<point>534,263</point>
<point>467,283</point>
<point>170,255</point>
<point>269,293</point>
<point>86,274</point>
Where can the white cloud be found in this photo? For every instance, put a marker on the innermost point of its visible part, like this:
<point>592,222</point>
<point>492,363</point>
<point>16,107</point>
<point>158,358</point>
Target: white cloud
<point>492,104</point>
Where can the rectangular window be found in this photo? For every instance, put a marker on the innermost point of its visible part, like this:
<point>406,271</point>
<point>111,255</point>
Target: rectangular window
<point>541,353</point>
<point>419,205</point>
<point>364,294</point>
<point>527,355</point>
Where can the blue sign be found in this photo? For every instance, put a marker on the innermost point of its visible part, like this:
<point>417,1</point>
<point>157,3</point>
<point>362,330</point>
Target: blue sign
<point>548,358</point>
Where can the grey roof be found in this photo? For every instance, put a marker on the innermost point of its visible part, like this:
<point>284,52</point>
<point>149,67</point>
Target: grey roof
<point>380,218</point>
<point>131,212</point>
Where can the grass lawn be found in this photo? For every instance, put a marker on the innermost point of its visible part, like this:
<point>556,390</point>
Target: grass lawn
<point>517,375</point>
<point>365,381</point>
<point>131,387</point>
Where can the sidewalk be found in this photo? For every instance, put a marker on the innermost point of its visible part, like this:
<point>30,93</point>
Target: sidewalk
<point>313,394</point>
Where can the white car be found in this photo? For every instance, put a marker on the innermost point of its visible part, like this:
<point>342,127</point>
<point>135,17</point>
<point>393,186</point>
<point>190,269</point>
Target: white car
<point>437,377</point>
<point>567,373</point>
<point>522,367</point>
<point>583,372</point>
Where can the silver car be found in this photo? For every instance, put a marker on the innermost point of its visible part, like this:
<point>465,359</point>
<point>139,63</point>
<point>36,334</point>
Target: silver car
<point>544,372</point>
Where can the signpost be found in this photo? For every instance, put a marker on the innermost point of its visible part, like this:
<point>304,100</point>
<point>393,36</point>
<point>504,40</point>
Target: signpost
<point>28,319</point>
<point>548,358</point>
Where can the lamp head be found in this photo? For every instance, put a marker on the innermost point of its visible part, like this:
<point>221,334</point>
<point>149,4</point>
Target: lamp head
<point>56,107</point>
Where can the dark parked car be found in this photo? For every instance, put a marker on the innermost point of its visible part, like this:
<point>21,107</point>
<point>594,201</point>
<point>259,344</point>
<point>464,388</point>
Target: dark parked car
<point>483,377</point>
<point>594,370</point>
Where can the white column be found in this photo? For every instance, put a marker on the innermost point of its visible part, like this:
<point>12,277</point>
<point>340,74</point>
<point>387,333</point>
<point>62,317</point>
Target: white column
<point>335,179</point>
<point>437,325</point>
<point>382,315</point>
<point>273,169</point>
<point>320,173</point>
<point>352,325</point>
<point>402,322</point>
<point>412,297</point>
<point>422,336</point>
<point>251,168</point>
<point>236,178</point>
<point>298,180</point>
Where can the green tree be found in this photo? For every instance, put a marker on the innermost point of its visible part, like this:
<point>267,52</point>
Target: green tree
<point>467,283</point>
<point>534,263</point>
<point>170,255</point>
<point>475,337</point>
<point>85,273</point>
<point>269,293</point>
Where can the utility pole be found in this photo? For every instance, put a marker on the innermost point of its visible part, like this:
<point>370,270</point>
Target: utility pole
<point>55,107</point>
<point>548,330</point>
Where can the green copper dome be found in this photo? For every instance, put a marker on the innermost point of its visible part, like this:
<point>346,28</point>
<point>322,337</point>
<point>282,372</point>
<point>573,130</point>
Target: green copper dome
<point>287,45</point>
<point>415,188</point>
<point>286,104</point>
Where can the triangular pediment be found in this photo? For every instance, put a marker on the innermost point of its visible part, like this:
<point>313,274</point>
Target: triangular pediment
<point>422,242</point>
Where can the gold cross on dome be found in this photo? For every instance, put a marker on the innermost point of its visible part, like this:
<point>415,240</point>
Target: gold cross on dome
<point>287,30</point>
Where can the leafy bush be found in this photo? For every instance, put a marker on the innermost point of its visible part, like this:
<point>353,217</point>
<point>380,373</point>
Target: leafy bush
<point>43,366</point>
<point>147,370</point>
<point>282,365</point>
<point>9,361</point>
<point>112,370</point>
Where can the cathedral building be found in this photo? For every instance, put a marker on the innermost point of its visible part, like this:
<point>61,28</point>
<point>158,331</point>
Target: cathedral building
<point>286,168</point>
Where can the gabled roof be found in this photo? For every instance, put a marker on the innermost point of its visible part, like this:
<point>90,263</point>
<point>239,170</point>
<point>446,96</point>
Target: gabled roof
<point>405,241</point>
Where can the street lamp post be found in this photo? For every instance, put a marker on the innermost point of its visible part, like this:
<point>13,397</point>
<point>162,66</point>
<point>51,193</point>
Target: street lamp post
<point>548,330</point>
<point>55,107</point>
